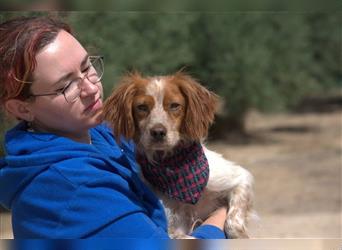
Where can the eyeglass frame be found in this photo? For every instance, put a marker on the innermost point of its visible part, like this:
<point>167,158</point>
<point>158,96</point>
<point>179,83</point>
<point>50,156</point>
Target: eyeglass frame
<point>62,92</point>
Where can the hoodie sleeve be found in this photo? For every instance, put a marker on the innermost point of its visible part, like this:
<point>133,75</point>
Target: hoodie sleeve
<point>115,211</point>
<point>109,211</point>
<point>208,232</point>
<point>108,207</point>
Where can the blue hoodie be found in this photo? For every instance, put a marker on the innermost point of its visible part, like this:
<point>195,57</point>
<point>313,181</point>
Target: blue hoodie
<point>59,188</point>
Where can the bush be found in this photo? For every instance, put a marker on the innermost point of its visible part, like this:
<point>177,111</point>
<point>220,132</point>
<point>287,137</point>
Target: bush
<point>265,61</point>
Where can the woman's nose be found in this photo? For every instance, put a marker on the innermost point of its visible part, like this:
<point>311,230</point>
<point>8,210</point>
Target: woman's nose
<point>88,88</point>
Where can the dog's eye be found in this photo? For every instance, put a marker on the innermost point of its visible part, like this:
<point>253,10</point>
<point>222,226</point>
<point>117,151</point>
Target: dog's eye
<point>142,107</point>
<point>174,106</point>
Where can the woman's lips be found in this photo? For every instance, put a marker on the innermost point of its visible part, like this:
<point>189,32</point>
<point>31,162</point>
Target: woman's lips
<point>94,106</point>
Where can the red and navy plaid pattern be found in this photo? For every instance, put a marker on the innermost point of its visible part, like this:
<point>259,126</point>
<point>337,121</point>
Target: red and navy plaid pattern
<point>182,176</point>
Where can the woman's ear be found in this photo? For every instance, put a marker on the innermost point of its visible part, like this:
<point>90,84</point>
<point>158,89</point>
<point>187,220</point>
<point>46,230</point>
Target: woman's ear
<point>19,109</point>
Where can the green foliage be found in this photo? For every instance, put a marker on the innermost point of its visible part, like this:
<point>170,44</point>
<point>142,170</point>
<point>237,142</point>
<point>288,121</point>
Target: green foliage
<point>267,61</point>
<point>151,43</point>
<point>258,60</point>
<point>261,60</point>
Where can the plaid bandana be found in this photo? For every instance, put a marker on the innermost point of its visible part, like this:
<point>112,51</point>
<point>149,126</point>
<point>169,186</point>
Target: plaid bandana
<point>182,176</point>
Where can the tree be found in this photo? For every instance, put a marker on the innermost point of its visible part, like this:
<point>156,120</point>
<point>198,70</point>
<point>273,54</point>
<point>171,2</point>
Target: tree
<point>254,60</point>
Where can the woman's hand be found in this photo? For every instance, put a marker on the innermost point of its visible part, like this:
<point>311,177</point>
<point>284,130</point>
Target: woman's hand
<point>217,218</point>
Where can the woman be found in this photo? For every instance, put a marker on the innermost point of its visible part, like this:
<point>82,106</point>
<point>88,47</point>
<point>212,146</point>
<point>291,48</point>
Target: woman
<point>64,176</point>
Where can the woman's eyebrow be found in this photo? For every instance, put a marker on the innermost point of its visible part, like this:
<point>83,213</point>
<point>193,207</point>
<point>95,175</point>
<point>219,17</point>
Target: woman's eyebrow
<point>63,78</point>
<point>85,60</point>
<point>70,74</point>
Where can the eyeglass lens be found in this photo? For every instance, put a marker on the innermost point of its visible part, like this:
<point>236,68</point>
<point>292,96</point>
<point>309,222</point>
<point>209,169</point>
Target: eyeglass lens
<point>94,75</point>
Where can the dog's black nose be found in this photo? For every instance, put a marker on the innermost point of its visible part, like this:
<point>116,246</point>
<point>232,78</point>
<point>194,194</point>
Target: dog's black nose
<point>158,132</point>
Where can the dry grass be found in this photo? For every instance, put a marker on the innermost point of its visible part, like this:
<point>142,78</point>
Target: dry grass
<point>296,163</point>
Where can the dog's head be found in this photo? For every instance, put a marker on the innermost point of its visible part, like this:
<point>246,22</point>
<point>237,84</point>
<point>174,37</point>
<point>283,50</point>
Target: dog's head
<point>159,112</point>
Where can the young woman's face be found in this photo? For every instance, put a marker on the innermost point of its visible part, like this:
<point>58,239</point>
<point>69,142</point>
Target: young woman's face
<point>64,59</point>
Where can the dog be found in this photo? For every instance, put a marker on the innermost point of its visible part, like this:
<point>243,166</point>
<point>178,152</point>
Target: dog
<point>168,118</point>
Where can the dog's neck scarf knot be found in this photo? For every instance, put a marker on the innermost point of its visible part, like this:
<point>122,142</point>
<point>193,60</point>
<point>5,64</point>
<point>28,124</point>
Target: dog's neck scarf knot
<point>183,176</point>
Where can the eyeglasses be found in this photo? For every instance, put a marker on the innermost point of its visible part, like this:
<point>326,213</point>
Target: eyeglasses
<point>72,90</point>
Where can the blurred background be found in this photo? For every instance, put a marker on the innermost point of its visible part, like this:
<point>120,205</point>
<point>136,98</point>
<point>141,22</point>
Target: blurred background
<point>279,77</point>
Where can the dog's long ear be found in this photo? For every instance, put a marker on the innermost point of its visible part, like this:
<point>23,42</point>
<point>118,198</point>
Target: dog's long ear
<point>117,108</point>
<point>201,107</point>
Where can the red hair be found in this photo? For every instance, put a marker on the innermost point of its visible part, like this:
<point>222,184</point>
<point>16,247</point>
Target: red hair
<point>20,41</point>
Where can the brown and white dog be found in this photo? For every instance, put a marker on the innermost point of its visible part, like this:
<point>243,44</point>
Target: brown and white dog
<point>165,116</point>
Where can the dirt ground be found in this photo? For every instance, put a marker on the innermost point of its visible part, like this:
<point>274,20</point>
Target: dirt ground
<point>296,162</point>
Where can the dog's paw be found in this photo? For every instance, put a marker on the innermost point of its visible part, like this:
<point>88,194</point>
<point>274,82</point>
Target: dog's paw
<point>180,236</point>
<point>235,229</point>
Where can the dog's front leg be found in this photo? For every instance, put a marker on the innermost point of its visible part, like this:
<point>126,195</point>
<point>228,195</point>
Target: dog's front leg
<point>240,209</point>
<point>179,220</point>
<point>234,186</point>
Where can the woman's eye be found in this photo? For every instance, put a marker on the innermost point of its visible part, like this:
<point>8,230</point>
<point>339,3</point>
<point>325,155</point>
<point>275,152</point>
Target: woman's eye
<point>175,106</point>
<point>66,86</point>
<point>86,69</point>
<point>142,107</point>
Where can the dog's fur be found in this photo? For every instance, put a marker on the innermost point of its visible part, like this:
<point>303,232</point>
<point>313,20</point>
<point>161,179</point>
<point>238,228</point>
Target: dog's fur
<point>182,110</point>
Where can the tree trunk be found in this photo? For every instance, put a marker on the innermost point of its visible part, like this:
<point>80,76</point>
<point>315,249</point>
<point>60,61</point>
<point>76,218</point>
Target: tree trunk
<point>227,128</point>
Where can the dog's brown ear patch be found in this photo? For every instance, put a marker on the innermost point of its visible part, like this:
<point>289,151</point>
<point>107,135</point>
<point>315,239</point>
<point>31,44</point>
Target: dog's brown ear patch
<point>202,105</point>
<point>117,109</point>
